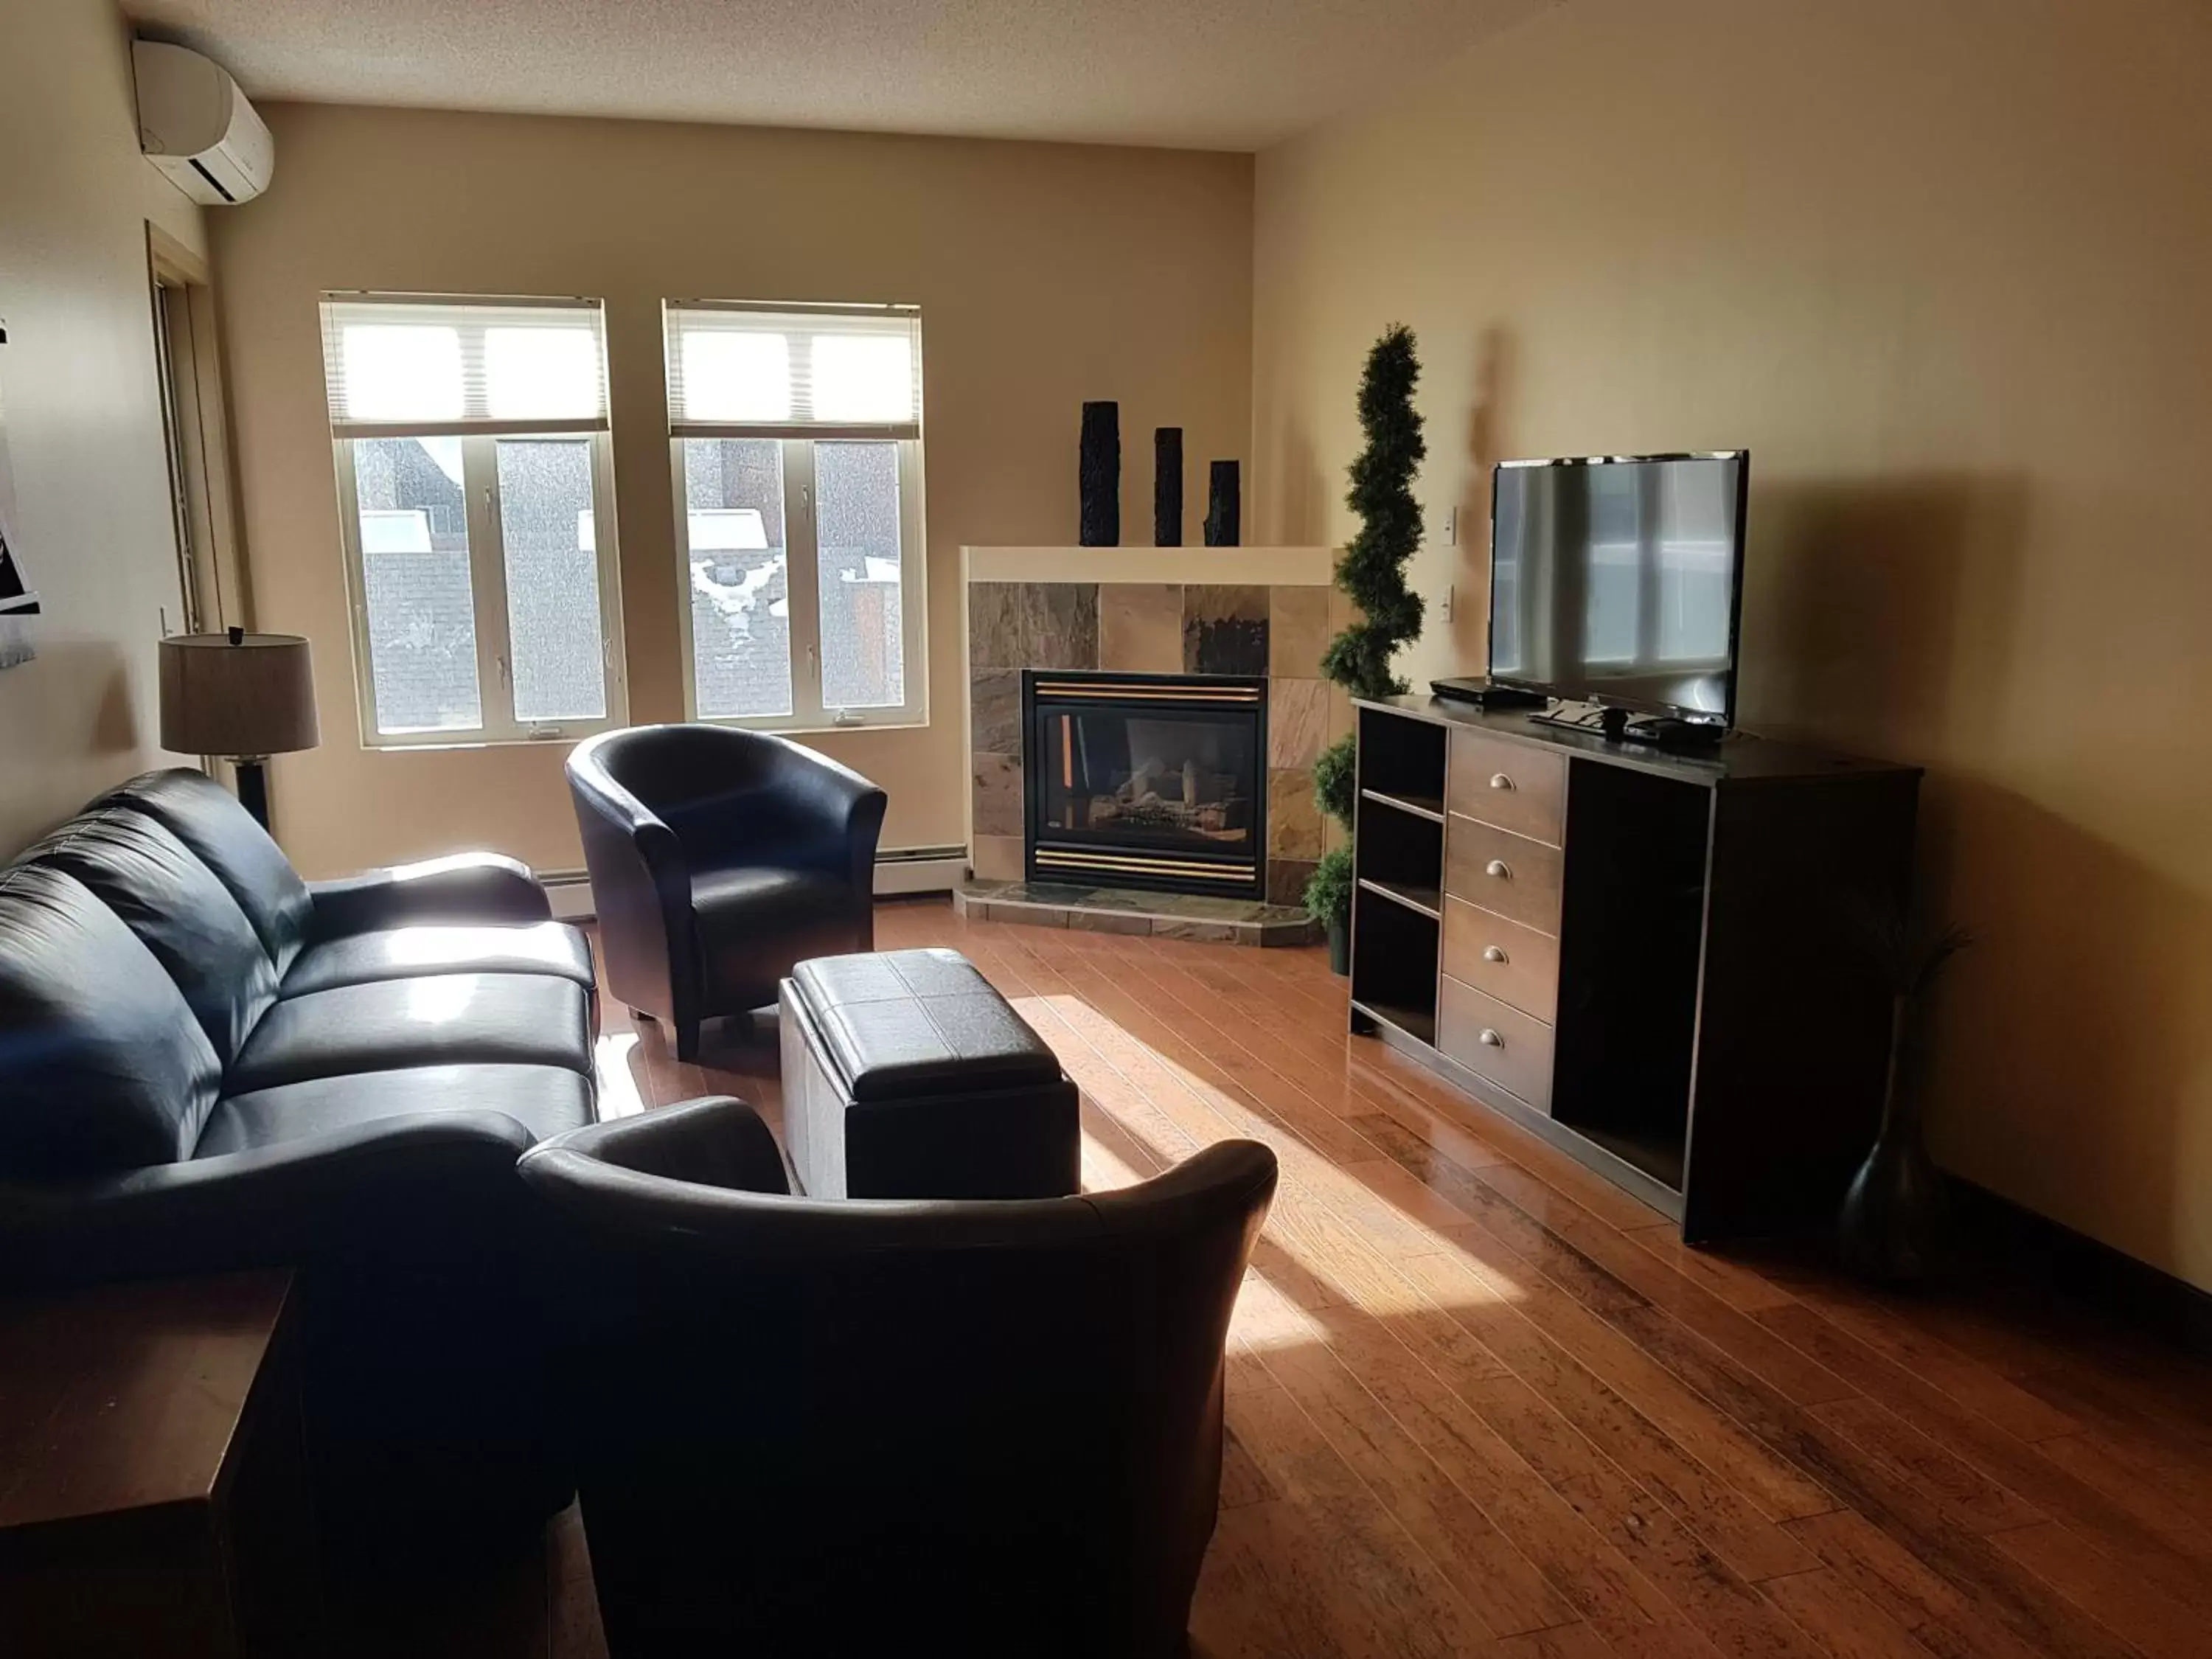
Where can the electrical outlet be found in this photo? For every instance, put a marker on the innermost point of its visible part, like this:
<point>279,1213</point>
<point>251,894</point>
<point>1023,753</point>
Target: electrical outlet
<point>1451,527</point>
<point>1443,610</point>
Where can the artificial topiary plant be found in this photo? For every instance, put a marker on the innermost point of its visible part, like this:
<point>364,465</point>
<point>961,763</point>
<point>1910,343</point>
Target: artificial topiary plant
<point>1373,573</point>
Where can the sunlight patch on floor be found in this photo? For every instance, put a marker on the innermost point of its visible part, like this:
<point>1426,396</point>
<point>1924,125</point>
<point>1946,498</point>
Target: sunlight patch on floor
<point>1335,1228</point>
<point>618,1091</point>
<point>1103,1170</point>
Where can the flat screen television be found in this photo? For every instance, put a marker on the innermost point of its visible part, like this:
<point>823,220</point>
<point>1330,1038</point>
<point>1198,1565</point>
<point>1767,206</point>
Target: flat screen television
<point>1618,580</point>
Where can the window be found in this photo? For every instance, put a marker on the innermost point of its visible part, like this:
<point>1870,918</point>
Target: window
<point>796,440</point>
<point>476,497</point>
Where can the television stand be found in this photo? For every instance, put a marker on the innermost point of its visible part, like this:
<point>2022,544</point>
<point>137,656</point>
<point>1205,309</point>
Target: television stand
<point>1644,956</point>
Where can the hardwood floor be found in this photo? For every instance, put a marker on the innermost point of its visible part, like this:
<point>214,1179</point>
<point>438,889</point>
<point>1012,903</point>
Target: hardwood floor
<point>1482,1403</point>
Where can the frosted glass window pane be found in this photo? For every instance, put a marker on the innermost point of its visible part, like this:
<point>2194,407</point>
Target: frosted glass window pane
<point>541,374</point>
<point>396,372</point>
<point>415,577</point>
<point>737,377</point>
<point>856,523</point>
<point>740,594</point>
<point>863,377</point>
<point>552,579</point>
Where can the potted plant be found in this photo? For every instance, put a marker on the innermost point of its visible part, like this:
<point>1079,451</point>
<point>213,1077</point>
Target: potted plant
<point>1890,1229</point>
<point>1372,573</point>
<point>1329,900</point>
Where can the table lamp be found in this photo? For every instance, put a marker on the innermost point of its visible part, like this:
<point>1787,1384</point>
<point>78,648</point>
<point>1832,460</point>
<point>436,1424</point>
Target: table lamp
<point>244,696</point>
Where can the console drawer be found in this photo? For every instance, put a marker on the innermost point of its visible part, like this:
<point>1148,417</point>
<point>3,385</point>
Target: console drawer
<point>1516,965</point>
<point>1504,1045</point>
<point>1509,785</point>
<point>1507,875</point>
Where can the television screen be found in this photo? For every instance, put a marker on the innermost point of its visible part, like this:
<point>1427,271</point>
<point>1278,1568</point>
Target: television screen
<point>1615,581</point>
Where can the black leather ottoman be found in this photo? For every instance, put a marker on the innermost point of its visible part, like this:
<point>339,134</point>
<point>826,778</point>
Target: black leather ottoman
<point>905,1075</point>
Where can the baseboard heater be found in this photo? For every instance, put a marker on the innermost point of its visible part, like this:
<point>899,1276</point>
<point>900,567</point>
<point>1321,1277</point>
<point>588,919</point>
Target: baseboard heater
<point>898,870</point>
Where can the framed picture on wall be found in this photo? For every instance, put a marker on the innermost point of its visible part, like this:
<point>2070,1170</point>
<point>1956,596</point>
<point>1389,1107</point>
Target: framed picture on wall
<point>19,604</point>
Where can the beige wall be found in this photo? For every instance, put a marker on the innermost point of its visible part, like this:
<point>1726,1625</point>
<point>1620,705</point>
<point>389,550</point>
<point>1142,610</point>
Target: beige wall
<point>82,408</point>
<point>1946,267</point>
<point>1046,275</point>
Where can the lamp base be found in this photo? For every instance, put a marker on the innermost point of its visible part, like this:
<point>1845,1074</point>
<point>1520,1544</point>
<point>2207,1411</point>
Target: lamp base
<point>253,789</point>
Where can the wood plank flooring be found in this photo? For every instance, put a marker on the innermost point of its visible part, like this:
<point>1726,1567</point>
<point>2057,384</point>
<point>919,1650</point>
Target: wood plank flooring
<point>1483,1403</point>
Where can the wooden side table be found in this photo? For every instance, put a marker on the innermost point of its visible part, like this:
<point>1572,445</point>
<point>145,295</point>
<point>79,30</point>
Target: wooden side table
<point>153,1489</point>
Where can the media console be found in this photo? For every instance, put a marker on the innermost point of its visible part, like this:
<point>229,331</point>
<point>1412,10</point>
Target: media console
<point>1651,959</point>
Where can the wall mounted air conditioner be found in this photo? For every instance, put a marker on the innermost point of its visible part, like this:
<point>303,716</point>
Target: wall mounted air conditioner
<point>195,124</point>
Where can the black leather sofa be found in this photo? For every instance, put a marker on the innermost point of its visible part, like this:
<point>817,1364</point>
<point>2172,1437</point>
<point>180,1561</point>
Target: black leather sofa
<point>875,1426</point>
<point>719,860</point>
<point>207,1063</point>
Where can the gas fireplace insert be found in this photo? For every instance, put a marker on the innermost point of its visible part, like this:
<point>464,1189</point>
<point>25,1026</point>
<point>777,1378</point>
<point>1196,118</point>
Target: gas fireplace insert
<point>1147,780</point>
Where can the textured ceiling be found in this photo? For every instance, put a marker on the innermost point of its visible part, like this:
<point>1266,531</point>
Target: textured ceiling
<point>1211,74</point>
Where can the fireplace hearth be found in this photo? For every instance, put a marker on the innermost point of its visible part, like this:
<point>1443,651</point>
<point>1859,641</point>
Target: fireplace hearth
<point>1152,781</point>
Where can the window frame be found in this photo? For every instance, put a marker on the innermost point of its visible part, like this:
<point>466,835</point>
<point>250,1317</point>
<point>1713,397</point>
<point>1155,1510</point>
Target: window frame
<point>487,590</point>
<point>796,442</point>
<point>480,438</point>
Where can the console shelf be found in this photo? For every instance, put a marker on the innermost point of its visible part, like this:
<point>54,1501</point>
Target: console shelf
<point>1424,901</point>
<point>1431,807</point>
<point>1642,956</point>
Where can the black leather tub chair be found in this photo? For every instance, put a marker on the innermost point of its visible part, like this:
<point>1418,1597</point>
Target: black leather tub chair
<point>864,1426</point>
<point>208,1063</point>
<point>719,860</point>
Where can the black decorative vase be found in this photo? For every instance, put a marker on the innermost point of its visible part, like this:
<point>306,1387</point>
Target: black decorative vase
<point>1339,949</point>
<point>1891,1226</point>
<point>1223,506</point>
<point>1167,486</point>
<point>1098,476</point>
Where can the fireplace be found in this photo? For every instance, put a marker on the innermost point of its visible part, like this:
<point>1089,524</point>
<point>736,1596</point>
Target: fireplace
<point>1149,781</point>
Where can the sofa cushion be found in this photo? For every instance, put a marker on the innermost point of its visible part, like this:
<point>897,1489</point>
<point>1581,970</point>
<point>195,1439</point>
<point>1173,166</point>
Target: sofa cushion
<point>754,925</point>
<point>545,947</point>
<point>904,1023</point>
<point>545,1100</point>
<point>435,1019</point>
<point>102,1067</point>
<point>177,909</point>
<point>204,816</point>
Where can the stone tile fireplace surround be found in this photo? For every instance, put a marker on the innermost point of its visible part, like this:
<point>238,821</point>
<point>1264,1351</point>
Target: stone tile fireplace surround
<point>1252,611</point>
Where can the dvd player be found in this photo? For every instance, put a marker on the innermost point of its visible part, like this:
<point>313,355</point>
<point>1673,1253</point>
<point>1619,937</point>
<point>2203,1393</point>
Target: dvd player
<point>1483,694</point>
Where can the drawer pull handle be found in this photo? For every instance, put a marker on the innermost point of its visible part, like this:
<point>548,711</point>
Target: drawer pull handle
<point>1494,953</point>
<point>1499,868</point>
<point>1490,1039</point>
<point>1499,780</point>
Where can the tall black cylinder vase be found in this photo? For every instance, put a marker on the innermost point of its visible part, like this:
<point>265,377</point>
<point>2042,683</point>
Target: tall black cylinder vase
<point>1098,476</point>
<point>1223,506</point>
<point>1167,486</point>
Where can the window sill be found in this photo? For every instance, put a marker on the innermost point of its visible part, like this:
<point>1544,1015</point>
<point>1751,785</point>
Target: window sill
<point>921,724</point>
<point>560,745</point>
<point>565,743</point>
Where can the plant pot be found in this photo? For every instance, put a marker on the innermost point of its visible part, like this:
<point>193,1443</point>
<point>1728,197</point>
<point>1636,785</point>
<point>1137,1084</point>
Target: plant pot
<point>1339,949</point>
<point>1891,1228</point>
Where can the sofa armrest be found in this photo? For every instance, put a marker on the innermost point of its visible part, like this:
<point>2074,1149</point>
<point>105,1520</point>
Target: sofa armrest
<point>716,1140</point>
<point>469,887</point>
<point>382,1186</point>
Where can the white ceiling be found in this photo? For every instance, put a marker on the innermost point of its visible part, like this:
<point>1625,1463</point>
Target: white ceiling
<point>1210,74</point>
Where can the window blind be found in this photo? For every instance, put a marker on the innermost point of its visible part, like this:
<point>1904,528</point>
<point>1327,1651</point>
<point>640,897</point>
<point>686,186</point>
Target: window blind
<point>743,371</point>
<point>428,365</point>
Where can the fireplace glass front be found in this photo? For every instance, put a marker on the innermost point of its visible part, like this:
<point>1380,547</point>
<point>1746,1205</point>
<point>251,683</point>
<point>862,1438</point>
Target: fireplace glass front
<point>1146,780</point>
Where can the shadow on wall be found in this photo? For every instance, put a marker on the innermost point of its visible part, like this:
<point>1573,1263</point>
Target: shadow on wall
<point>2068,1042</point>
<point>72,730</point>
<point>1301,496</point>
<point>1486,447</point>
<point>1882,616</point>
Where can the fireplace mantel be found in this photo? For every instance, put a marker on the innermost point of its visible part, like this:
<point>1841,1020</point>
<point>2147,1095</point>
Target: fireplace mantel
<point>1261,611</point>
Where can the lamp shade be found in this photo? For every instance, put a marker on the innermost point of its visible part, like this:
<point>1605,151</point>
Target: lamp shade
<point>237,694</point>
